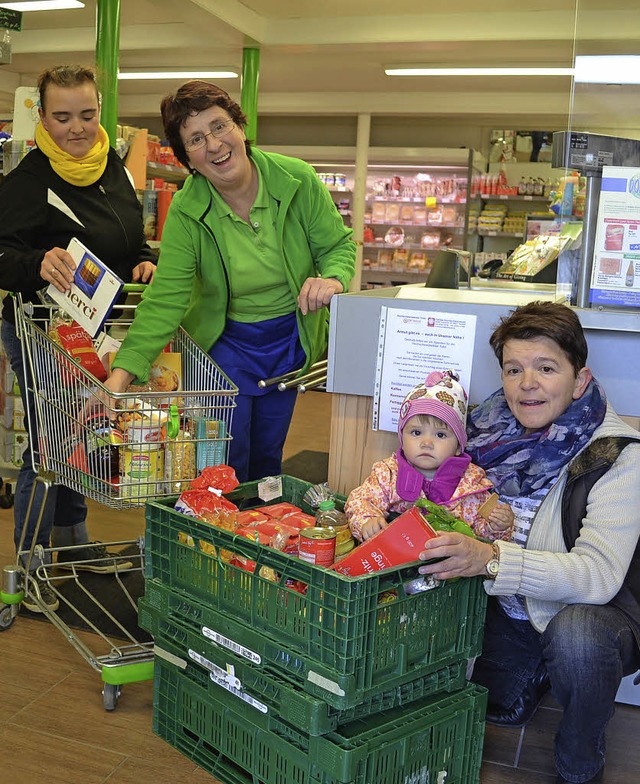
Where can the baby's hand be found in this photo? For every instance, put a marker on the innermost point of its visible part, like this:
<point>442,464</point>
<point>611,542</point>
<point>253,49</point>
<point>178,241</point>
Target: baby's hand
<point>372,526</point>
<point>501,518</point>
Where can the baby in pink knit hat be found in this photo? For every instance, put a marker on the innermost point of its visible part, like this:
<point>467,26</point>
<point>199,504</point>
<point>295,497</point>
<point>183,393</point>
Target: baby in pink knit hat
<point>430,463</point>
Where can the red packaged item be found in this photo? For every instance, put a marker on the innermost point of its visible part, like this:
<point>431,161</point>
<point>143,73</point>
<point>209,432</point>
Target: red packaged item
<point>77,342</point>
<point>250,517</point>
<point>279,510</point>
<point>221,477</point>
<point>265,532</point>
<point>399,543</point>
<point>299,520</point>
<point>203,504</point>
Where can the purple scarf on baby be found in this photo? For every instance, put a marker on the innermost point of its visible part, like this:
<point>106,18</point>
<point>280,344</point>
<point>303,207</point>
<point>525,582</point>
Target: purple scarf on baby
<point>411,482</point>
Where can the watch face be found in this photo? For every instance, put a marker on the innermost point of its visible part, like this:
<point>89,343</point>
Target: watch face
<point>492,567</point>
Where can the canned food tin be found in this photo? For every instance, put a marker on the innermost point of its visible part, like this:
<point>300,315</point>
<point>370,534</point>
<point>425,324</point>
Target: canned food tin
<point>141,472</point>
<point>330,180</point>
<point>340,180</point>
<point>317,546</point>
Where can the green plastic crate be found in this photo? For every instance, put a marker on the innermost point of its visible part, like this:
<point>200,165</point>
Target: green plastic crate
<point>398,642</point>
<point>283,704</point>
<point>339,641</point>
<point>433,740</point>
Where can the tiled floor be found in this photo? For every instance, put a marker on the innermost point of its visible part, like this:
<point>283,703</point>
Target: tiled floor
<point>54,730</point>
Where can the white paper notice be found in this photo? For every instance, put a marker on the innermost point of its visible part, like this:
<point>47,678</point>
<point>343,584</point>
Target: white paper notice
<point>412,344</point>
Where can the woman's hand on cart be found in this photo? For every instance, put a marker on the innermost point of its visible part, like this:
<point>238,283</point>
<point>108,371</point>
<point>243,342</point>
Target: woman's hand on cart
<point>143,272</point>
<point>57,267</point>
<point>101,400</point>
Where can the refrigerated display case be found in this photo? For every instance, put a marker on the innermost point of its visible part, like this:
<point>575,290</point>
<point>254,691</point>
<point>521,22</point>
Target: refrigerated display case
<point>411,212</point>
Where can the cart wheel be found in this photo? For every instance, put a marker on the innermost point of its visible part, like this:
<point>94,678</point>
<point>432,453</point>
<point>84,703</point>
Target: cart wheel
<point>110,694</point>
<point>6,617</point>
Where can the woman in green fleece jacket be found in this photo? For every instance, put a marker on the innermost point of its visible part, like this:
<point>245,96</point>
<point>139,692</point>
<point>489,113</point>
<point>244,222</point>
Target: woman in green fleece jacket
<point>252,251</point>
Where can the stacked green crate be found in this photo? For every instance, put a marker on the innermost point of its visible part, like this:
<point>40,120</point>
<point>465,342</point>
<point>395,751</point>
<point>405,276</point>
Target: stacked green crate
<point>301,670</point>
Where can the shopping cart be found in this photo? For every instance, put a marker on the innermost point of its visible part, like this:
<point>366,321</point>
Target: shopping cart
<point>118,450</point>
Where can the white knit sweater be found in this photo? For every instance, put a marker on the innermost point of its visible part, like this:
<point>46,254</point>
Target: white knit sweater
<point>544,572</point>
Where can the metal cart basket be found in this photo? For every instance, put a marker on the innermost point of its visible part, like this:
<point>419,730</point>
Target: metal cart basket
<point>118,450</point>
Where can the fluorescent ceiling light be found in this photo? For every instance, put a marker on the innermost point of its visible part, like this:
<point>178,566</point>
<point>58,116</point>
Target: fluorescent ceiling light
<point>222,74</point>
<point>608,69</point>
<point>42,5</point>
<point>424,71</point>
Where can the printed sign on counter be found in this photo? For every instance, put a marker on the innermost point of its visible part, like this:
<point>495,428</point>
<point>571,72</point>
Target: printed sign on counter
<point>413,343</point>
<point>615,279</point>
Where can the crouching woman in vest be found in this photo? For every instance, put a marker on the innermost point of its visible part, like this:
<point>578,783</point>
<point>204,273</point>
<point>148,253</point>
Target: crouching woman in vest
<point>564,594</point>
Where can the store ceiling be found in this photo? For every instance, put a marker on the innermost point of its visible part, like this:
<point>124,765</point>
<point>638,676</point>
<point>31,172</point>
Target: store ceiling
<point>328,57</point>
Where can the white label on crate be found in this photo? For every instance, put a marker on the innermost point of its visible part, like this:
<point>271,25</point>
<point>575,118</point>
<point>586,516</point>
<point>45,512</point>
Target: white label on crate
<point>325,683</point>
<point>270,488</point>
<point>421,777</point>
<point>231,645</point>
<point>240,694</point>
<point>223,675</point>
<point>177,660</point>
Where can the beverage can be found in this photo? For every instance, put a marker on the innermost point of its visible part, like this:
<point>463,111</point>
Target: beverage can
<point>317,546</point>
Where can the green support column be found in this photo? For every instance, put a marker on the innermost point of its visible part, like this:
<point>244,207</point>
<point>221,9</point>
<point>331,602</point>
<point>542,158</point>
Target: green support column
<point>108,62</point>
<point>249,90</point>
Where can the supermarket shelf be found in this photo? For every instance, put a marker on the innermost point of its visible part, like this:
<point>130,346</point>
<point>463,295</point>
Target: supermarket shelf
<point>395,272</point>
<point>404,200</point>
<point>516,234</point>
<point>416,225</point>
<point>166,171</point>
<point>404,246</point>
<point>514,198</point>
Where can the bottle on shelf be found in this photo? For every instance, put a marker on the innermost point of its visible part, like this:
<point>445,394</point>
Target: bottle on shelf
<point>630,276</point>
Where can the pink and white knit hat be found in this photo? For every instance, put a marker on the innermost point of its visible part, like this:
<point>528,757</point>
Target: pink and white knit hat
<point>441,396</point>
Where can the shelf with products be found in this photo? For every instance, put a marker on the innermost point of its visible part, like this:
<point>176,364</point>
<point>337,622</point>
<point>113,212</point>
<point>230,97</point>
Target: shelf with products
<point>420,192</point>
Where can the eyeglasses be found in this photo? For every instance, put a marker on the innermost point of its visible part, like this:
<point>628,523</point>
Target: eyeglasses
<point>200,139</point>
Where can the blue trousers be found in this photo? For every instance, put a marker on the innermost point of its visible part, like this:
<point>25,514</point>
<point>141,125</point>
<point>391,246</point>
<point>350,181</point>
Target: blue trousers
<point>248,353</point>
<point>64,507</point>
<point>586,649</point>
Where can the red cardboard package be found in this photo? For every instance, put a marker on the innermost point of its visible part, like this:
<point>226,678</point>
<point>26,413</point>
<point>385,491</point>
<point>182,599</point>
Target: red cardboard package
<point>399,543</point>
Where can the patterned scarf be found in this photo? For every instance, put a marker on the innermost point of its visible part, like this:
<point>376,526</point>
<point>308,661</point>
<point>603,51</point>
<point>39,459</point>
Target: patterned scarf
<point>76,171</point>
<point>527,464</point>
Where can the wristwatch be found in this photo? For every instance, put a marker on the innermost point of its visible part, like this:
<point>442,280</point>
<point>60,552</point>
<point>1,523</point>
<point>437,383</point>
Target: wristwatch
<point>492,567</point>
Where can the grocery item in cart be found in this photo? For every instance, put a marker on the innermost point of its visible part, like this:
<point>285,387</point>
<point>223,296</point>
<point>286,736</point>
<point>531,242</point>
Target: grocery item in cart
<point>77,342</point>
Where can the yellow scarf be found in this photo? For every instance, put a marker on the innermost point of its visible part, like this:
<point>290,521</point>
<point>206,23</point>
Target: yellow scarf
<point>76,171</point>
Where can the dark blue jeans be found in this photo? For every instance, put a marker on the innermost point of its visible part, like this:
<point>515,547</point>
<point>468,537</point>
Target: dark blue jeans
<point>586,649</point>
<point>64,507</point>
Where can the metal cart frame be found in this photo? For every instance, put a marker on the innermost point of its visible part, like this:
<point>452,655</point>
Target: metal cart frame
<point>111,448</point>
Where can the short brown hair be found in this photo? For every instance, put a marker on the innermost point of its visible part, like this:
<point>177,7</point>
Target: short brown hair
<point>66,76</point>
<point>543,320</point>
<point>192,98</point>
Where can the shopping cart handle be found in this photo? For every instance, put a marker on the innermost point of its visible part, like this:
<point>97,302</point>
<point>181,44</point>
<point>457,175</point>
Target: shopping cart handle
<point>130,288</point>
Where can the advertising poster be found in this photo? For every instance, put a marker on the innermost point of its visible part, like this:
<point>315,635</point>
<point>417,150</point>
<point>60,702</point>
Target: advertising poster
<point>412,344</point>
<point>615,279</point>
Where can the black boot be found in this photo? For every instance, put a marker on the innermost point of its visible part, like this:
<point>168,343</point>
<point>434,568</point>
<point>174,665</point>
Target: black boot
<point>522,710</point>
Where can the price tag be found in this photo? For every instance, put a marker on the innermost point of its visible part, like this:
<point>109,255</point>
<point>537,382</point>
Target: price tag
<point>430,202</point>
